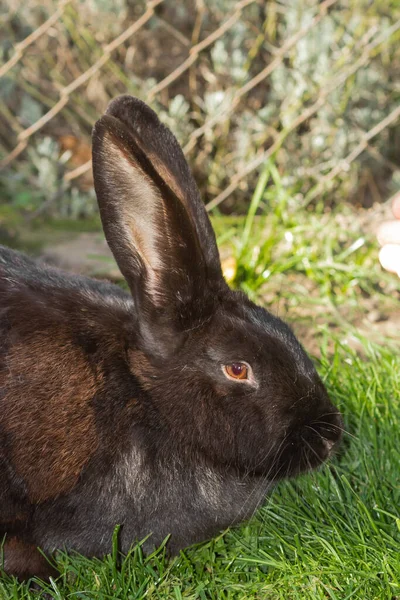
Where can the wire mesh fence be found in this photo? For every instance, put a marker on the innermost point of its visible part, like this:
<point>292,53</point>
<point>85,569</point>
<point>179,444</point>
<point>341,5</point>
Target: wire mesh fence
<point>310,85</point>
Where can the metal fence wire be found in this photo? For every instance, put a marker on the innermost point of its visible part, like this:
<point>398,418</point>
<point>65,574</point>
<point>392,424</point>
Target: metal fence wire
<point>310,85</point>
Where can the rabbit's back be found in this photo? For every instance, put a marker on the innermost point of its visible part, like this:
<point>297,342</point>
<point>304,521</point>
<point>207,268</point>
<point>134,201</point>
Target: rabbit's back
<point>19,272</point>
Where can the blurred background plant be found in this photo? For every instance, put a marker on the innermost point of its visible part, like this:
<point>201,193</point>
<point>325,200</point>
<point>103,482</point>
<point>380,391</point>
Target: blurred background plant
<point>313,85</point>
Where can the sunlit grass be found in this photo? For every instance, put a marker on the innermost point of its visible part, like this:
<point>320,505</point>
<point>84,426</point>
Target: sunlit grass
<point>312,266</point>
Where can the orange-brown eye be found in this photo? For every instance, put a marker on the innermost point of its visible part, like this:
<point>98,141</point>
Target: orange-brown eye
<point>237,370</point>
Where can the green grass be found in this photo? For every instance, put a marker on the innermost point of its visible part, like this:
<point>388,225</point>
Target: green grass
<point>333,534</point>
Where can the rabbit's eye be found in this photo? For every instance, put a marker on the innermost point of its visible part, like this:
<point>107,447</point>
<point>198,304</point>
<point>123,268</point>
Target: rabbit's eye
<point>237,370</point>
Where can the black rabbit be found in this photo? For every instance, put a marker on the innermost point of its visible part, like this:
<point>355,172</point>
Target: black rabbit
<point>170,410</point>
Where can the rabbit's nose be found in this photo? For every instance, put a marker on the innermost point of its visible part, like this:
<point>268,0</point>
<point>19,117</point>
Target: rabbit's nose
<point>328,444</point>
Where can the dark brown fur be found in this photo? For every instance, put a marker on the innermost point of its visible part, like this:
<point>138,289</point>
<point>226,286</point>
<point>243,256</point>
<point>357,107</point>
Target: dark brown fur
<point>22,559</point>
<point>47,413</point>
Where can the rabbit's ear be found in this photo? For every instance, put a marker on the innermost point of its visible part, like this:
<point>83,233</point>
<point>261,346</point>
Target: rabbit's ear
<point>154,220</point>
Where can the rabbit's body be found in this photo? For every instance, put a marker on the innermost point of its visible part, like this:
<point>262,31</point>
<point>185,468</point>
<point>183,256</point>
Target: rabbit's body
<point>170,410</point>
<point>67,400</point>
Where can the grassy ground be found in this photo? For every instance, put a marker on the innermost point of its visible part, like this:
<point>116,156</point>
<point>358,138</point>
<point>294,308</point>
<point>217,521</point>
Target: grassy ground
<point>332,534</point>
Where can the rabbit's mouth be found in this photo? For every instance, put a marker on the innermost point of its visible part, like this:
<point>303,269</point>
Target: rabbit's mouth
<point>319,443</point>
<point>306,449</point>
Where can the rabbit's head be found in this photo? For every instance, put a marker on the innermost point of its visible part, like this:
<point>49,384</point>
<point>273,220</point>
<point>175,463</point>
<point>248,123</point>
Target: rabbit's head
<point>224,377</point>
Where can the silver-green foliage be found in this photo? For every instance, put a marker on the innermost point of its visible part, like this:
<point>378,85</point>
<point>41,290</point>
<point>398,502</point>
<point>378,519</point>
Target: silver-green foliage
<point>343,71</point>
